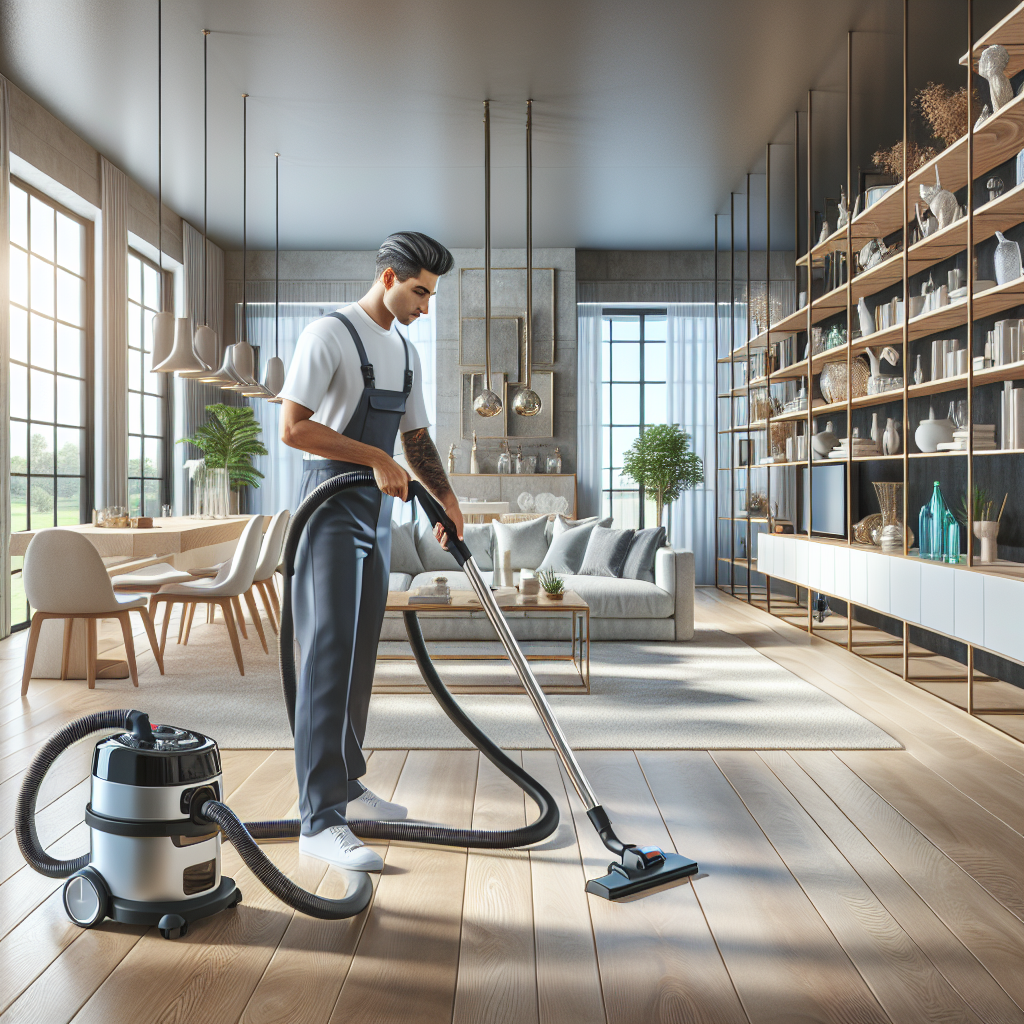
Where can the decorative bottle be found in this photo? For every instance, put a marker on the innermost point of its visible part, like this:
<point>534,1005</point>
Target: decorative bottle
<point>504,459</point>
<point>554,463</point>
<point>519,459</point>
<point>952,552</point>
<point>937,525</point>
<point>924,532</point>
<point>474,465</point>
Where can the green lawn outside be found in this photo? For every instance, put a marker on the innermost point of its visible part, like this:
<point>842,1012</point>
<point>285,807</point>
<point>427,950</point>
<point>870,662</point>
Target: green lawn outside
<point>68,514</point>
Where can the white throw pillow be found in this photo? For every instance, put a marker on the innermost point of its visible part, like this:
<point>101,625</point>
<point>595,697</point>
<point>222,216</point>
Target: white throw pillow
<point>404,556</point>
<point>526,541</point>
<point>569,546</point>
<point>563,523</point>
<point>479,537</point>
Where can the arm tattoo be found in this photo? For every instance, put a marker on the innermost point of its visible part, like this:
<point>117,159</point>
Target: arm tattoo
<point>425,462</point>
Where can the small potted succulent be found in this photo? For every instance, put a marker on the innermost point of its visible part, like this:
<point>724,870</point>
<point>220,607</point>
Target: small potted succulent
<point>551,584</point>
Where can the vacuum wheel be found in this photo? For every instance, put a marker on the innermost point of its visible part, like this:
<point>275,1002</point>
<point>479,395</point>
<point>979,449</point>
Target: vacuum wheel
<point>86,898</point>
<point>173,926</point>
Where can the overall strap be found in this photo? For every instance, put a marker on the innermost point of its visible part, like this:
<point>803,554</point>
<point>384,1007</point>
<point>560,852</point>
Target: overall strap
<point>408,368</point>
<point>364,364</point>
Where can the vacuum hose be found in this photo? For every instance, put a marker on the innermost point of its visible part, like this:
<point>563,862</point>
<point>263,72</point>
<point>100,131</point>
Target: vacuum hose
<point>243,836</point>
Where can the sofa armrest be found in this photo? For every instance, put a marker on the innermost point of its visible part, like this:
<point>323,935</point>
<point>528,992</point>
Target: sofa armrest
<point>675,572</point>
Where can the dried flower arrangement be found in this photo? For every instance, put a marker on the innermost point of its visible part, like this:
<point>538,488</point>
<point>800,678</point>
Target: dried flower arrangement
<point>890,161</point>
<point>945,111</point>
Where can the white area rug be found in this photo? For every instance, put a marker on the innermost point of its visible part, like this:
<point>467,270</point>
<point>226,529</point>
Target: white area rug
<point>714,693</point>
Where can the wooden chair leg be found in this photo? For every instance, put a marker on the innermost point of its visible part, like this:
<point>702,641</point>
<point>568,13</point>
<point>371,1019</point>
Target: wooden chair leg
<point>188,623</point>
<point>129,646</point>
<point>65,655</point>
<point>229,620</point>
<point>262,588</point>
<point>256,620</point>
<point>211,613</point>
<point>168,604</point>
<point>181,621</point>
<point>273,596</point>
<point>30,654</point>
<point>90,652</point>
<point>240,618</point>
<point>147,621</point>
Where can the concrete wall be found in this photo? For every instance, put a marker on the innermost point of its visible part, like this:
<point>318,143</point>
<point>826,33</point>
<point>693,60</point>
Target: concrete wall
<point>351,266</point>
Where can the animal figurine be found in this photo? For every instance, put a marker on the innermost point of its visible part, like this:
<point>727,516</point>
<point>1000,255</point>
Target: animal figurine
<point>942,203</point>
<point>891,438</point>
<point>992,66</point>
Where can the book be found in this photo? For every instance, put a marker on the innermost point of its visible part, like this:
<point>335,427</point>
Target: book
<point>436,593</point>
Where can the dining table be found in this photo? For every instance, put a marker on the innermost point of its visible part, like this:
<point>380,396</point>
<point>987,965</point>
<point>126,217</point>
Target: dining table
<point>186,542</point>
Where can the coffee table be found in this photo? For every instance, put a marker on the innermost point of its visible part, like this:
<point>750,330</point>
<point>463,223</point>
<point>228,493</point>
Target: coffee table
<point>509,600</point>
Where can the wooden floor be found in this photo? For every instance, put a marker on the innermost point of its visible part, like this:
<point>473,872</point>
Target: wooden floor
<point>840,886</point>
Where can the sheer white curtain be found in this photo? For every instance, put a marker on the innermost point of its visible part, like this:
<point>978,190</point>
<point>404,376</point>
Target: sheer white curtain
<point>691,404</point>
<point>5,363</point>
<point>588,409</point>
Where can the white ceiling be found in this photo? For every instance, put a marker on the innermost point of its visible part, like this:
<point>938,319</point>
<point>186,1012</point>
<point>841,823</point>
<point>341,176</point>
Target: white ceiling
<point>646,114</point>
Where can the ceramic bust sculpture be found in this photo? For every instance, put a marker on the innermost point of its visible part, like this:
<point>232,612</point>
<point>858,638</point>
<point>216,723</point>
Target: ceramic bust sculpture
<point>992,66</point>
<point>942,204</point>
<point>931,432</point>
<point>1007,260</point>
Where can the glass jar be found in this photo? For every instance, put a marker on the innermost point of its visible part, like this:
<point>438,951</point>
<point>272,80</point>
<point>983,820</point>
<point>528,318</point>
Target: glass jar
<point>504,459</point>
<point>952,552</point>
<point>528,464</point>
<point>554,462</point>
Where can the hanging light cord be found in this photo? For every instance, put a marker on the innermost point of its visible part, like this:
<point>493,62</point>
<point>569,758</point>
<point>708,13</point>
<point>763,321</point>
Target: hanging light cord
<point>529,243</point>
<point>160,137</point>
<point>245,326</point>
<point>487,243</point>
<point>206,139</point>
<point>277,250</point>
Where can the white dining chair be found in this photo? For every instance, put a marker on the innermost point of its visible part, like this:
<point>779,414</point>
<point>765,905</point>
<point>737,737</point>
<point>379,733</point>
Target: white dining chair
<point>64,578</point>
<point>270,557</point>
<point>233,581</point>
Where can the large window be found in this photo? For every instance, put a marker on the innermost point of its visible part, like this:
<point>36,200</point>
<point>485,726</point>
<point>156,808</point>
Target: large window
<point>50,355</point>
<point>633,396</point>
<point>148,412</point>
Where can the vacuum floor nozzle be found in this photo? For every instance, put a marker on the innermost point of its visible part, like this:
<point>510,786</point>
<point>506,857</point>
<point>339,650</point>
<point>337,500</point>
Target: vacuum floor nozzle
<point>622,882</point>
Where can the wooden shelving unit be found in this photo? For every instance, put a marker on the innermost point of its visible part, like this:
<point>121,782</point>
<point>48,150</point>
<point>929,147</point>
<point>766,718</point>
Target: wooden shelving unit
<point>963,168</point>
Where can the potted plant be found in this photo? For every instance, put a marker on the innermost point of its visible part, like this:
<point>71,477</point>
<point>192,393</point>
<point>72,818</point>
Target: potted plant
<point>230,440</point>
<point>552,585</point>
<point>661,462</point>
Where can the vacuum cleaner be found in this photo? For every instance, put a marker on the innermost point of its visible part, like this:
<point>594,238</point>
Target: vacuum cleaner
<point>157,818</point>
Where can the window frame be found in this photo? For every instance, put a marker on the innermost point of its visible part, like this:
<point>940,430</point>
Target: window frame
<point>166,279</point>
<point>87,456</point>
<point>608,492</point>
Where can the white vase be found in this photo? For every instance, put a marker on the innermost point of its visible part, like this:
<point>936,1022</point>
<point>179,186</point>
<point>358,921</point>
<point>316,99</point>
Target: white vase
<point>867,321</point>
<point>891,438</point>
<point>1007,260</point>
<point>931,432</point>
<point>876,433</point>
<point>824,441</point>
<point>987,531</point>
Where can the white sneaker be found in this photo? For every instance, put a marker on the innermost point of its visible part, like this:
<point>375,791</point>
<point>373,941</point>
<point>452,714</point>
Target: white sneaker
<point>338,846</point>
<point>370,807</point>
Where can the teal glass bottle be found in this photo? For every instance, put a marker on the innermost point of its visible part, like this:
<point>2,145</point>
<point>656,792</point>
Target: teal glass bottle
<point>938,511</point>
<point>952,539</point>
<point>924,532</point>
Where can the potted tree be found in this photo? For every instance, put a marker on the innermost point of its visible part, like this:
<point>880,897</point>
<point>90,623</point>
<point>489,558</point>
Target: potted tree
<point>229,441</point>
<point>661,462</point>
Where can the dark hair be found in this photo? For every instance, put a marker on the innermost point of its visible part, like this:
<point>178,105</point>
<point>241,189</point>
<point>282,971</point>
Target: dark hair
<point>409,252</point>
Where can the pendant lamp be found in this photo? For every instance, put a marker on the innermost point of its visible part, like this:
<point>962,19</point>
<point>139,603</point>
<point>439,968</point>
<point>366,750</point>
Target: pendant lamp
<point>243,357</point>
<point>527,402</point>
<point>273,379</point>
<point>487,403</point>
<point>163,322</point>
<point>205,341</point>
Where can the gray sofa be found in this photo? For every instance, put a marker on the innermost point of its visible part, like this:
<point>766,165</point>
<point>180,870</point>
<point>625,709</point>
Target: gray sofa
<point>620,609</point>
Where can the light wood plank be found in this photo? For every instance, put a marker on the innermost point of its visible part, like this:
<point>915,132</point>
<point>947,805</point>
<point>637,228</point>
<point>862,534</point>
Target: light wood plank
<point>763,923</point>
<point>308,968</point>
<point>989,851</point>
<point>658,960</point>
<point>983,925</point>
<point>568,981</point>
<point>902,978</point>
<point>950,956</point>
<point>497,980</point>
<point>407,960</point>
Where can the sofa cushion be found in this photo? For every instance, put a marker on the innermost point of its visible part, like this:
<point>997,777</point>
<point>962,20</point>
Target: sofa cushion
<point>433,557</point>
<point>568,547</point>
<point>606,552</point>
<point>621,599</point>
<point>526,541</point>
<point>399,581</point>
<point>480,539</point>
<point>563,523</point>
<point>639,564</point>
<point>404,556</point>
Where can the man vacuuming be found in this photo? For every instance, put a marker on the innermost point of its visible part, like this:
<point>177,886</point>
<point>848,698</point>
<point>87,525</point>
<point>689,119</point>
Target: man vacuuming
<point>353,385</point>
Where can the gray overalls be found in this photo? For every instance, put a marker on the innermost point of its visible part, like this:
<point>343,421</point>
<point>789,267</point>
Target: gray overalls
<point>339,592</point>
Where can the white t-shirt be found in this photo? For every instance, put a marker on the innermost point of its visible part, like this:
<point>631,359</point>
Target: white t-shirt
<point>324,374</point>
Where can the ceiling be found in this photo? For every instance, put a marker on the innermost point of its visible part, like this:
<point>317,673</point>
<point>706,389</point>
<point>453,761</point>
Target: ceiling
<point>646,115</point>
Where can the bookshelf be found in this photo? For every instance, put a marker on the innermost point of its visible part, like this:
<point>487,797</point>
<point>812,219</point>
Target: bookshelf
<point>770,379</point>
